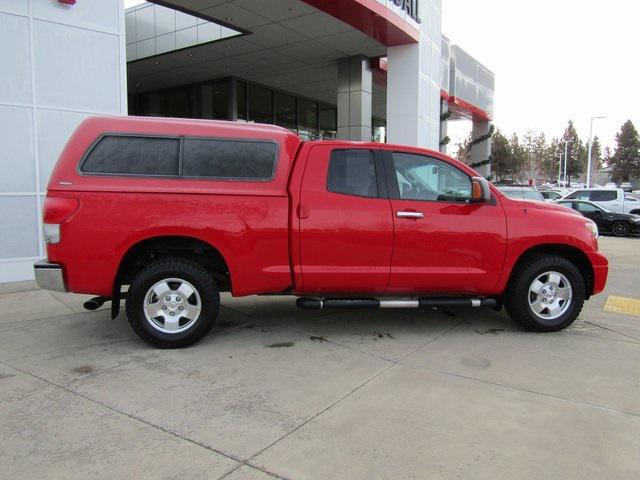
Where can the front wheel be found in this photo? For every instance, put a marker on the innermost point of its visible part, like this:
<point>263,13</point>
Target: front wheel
<point>545,294</point>
<point>172,303</point>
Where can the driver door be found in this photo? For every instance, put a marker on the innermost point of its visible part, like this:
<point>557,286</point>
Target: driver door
<point>442,242</point>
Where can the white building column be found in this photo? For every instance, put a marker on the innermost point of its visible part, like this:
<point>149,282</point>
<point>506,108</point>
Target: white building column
<point>480,152</point>
<point>413,84</point>
<point>355,89</point>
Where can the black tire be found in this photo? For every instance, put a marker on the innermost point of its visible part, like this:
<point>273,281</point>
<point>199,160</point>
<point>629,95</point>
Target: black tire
<point>173,268</point>
<point>620,229</point>
<point>517,295</point>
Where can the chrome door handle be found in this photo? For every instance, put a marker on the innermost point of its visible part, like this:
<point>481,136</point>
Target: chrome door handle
<point>405,214</point>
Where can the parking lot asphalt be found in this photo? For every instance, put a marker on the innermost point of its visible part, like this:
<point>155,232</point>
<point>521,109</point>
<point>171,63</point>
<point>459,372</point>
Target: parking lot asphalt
<point>277,392</point>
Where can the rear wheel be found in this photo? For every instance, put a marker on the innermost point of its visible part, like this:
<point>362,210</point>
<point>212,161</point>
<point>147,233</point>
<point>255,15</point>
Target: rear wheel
<point>172,303</point>
<point>620,229</point>
<point>545,294</point>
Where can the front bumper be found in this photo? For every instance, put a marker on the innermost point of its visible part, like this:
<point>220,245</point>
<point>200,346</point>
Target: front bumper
<point>600,271</point>
<point>49,276</point>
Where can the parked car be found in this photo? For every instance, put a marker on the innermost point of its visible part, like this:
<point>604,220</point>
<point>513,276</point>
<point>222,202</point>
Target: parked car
<point>526,193</point>
<point>174,211</point>
<point>612,199</point>
<point>626,187</point>
<point>550,195</point>
<point>619,224</point>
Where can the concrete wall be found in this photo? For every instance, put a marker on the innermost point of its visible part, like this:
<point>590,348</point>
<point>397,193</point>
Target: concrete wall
<point>60,63</point>
<point>413,84</point>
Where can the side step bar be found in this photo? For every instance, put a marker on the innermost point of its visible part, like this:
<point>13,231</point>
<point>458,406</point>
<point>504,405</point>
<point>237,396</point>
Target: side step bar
<point>309,303</point>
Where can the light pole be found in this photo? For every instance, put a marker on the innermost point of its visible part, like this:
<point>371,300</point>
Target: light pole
<point>559,168</point>
<point>589,151</point>
<point>566,158</point>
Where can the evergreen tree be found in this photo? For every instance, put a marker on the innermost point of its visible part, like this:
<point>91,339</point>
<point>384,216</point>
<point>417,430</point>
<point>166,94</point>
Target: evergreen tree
<point>625,161</point>
<point>500,155</point>
<point>596,154</point>
<point>518,164</point>
<point>536,155</point>
<point>576,152</point>
<point>606,161</point>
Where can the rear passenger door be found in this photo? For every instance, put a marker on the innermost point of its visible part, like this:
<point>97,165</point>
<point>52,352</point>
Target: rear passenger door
<point>346,226</point>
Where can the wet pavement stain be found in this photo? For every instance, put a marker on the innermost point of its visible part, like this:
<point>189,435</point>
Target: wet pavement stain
<point>313,338</point>
<point>478,363</point>
<point>492,331</point>
<point>83,369</point>
<point>281,345</point>
<point>4,376</point>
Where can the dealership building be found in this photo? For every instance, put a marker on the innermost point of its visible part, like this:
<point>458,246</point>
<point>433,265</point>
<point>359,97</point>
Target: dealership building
<point>349,69</point>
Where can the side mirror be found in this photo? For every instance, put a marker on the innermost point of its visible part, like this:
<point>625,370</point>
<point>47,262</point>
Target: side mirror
<point>480,191</point>
<point>598,212</point>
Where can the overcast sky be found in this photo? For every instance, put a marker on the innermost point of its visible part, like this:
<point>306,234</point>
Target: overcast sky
<point>554,60</point>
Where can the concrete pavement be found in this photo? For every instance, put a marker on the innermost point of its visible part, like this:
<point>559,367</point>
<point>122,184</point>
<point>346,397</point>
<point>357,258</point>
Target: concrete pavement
<point>276,392</point>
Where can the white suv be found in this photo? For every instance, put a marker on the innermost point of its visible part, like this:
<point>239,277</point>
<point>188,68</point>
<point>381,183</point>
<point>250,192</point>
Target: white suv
<point>612,199</point>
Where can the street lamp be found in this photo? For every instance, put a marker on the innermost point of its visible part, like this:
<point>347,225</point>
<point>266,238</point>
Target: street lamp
<point>566,158</point>
<point>589,152</point>
<point>559,168</point>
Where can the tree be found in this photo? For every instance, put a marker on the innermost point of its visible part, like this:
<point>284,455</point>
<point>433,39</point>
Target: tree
<point>625,161</point>
<point>596,154</point>
<point>606,161</point>
<point>537,155</point>
<point>463,151</point>
<point>576,152</point>
<point>500,155</point>
<point>518,163</point>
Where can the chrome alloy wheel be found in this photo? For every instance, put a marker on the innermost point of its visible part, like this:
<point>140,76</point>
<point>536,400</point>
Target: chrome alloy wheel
<point>172,305</point>
<point>550,295</point>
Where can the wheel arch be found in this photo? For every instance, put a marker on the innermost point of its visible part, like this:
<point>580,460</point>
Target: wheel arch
<point>571,253</point>
<point>149,249</point>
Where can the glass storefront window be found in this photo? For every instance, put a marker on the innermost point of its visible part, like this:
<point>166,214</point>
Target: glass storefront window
<point>328,121</point>
<point>287,111</point>
<point>177,103</point>
<point>379,130</point>
<point>220,100</point>
<point>242,100</point>
<point>260,104</point>
<point>308,120</point>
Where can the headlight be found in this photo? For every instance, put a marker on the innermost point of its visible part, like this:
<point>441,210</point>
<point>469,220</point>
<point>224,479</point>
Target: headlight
<point>593,228</point>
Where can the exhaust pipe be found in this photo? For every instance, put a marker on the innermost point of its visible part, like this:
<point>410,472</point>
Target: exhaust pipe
<point>308,303</point>
<point>95,303</point>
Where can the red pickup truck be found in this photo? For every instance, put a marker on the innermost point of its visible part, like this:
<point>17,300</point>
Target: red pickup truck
<point>167,213</point>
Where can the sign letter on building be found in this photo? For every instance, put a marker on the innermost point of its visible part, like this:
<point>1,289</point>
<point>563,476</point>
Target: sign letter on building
<point>409,6</point>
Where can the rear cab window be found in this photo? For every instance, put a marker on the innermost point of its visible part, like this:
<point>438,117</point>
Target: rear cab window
<point>182,157</point>
<point>353,172</point>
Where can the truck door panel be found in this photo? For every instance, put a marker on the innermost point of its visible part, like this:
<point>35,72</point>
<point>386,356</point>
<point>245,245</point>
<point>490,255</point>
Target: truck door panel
<point>443,243</point>
<point>346,227</point>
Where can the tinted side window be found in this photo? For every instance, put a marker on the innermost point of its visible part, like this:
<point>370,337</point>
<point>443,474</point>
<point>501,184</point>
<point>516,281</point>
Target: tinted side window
<point>352,172</point>
<point>579,195</point>
<point>130,155</point>
<point>603,195</point>
<point>228,159</point>
<point>425,178</point>
<point>586,207</point>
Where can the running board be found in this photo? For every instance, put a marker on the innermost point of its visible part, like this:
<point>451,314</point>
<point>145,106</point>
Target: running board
<point>309,303</point>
